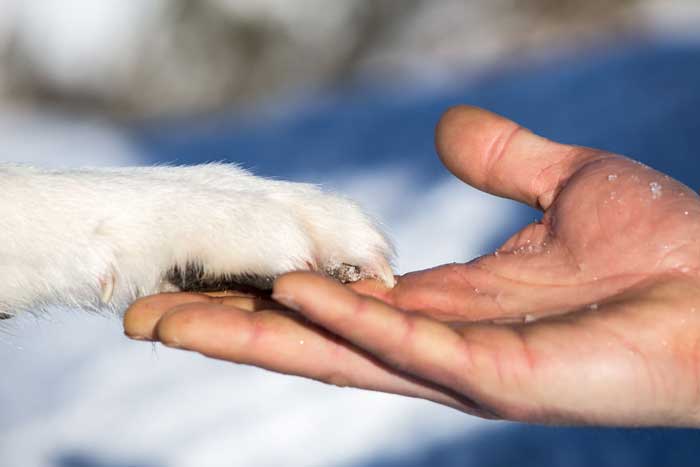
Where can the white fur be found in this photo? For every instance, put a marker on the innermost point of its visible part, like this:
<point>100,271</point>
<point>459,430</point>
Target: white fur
<point>102,237</point>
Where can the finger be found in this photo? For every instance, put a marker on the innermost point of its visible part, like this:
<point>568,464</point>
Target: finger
<point>249,303</point>
<point>410,343</point>
<point>285,343</point>
<point>483,290</point>
<point>498,156</point>
<point>143,315</point>
<point>502,288</point>
<point>550,371</point>
<point>373,288</point>
<point>588,367</point>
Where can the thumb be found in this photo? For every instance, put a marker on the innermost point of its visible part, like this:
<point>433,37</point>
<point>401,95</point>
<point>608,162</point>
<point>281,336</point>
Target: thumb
<point>496,155</point>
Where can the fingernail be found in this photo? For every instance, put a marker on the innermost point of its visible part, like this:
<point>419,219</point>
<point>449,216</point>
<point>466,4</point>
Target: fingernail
<point>137,337</point>
<point>287,301</point>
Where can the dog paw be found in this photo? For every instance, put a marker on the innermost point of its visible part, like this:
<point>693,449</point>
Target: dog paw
<point>251,235</point>
<point>96,238</point>
<point>226,228</point>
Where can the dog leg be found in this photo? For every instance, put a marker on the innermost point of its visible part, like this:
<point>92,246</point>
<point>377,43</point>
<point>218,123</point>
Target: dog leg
<point>101,238</point>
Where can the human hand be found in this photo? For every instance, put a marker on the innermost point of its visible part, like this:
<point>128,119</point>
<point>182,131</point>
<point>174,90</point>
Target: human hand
<point>589,316</point>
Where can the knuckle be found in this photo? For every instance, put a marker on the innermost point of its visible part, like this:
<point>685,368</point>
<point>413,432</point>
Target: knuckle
<point>361,306</point>
<point>178,321</point>
<point>336,379</point>
<point>499,148</point>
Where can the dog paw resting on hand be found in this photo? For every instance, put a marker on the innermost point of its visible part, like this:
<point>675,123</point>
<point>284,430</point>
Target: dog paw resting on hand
<point>96,238</point>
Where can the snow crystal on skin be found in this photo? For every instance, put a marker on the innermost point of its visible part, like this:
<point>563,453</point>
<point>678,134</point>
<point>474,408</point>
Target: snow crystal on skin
<point>656,190</point>
<point>612,177</point>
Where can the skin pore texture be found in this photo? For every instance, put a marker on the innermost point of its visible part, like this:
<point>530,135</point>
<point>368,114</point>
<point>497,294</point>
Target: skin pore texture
<point>589,316</point>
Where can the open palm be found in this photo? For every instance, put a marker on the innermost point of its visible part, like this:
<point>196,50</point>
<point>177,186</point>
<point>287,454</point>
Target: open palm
<point>588,316</point>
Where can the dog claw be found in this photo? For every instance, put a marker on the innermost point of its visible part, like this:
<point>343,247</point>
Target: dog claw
<point>385,273</point>
<point>107,289</point>
<point>346,273</point>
